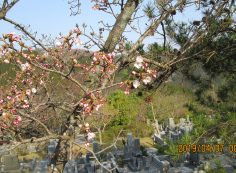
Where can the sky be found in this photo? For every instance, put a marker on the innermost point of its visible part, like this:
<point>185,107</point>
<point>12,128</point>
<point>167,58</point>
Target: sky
<point>53,17</point>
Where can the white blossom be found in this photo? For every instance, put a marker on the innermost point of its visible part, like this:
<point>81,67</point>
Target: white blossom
<point>78,42</point>
<point>136,84</point>
<point>34,90</point>
<point>41,82</point>
<point>147,80</point>
<point>139,62</point>
<point>138,65</point>
<point>126,92</point>
<point>58,43</point>
<point>91,136</point>
<point>25,66</point>
<point>139,59</point>
<point>6,61</point>
<point>94,58</point>
<point>86,125</point>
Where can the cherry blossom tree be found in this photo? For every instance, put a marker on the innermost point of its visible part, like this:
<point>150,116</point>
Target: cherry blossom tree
<point>58,86</point>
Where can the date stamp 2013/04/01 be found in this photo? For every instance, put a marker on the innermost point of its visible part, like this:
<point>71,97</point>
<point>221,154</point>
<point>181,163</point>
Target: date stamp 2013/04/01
<point>206,148</point>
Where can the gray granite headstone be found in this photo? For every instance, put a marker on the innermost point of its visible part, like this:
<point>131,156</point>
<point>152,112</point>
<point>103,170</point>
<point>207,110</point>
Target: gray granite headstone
<point>129,139</point>
<point>10,163</point>
<point>136,146</point>
<point>70,167</point>
<point>96,147</point>
<point>172,123</point>
<point>158,139</point>
<point>182,121</point>
<point>41,166</point>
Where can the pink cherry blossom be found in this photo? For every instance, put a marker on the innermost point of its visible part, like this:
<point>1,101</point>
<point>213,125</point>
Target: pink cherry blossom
<point>18,118</point>
<point>25,106</point>
<point>16,123</point>
<point>30,49</point>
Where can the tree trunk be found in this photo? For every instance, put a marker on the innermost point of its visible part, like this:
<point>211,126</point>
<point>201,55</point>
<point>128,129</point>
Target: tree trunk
<point>120,25</point>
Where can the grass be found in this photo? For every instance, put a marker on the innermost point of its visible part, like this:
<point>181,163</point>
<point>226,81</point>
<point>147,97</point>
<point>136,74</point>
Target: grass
<point>147,142</point>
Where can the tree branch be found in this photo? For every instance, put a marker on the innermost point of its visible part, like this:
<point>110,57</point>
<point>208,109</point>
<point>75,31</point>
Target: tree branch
<point>6,7</point>
<point>22,28</point>
<point>36,120</point>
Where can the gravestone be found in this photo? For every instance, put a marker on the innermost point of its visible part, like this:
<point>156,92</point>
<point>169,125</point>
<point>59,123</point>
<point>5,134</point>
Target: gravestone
<point>28,166</point>
<point>70,167</point>
<point>188,128</point>
<point>136,147</point>
<point>129,139</point>
<point>180,170</point>
<point>158,139</point>
<point>128,149</point>
<point>3,150</point>
<point>172,124</point>
<point>96,147</point>
<point>194,158</point>
<point>157,127</point>
<point>162,165</point>
<point>182,121</point>
<point>41,166</point>
<point>10,163</point>
<point>175,135</point>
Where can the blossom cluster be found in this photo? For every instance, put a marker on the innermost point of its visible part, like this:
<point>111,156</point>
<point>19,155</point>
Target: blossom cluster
<point>15,100</point>
<point>34,69</point>
<point>99,4</point>
<point>102,65</point>
<point>143,72</point>
<point>92,101</point>
<point>71,39</point>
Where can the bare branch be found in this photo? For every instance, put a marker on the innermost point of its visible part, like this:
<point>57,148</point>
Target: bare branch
<point>22,28</point>
<point>36,120</point>
<point>6,7</point>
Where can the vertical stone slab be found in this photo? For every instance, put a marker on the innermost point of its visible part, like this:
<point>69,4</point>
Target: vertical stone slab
<point>136,146</point>
<point>172,123</point>
<point>96,147</point>
<point>129,139</point>
<point>10,163</point>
